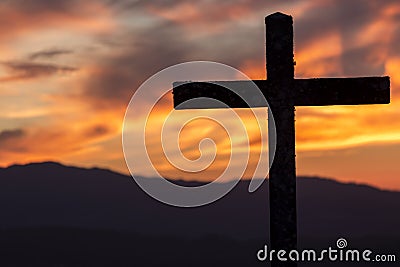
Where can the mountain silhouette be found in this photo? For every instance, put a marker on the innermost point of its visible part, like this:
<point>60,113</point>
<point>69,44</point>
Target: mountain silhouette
<point>82,215</point>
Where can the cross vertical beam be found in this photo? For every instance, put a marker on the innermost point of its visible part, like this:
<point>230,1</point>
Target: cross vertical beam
<point>282,174</point>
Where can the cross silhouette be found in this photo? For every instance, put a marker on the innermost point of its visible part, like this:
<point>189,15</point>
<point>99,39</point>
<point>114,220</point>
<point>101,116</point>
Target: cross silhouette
<point>283,93</point>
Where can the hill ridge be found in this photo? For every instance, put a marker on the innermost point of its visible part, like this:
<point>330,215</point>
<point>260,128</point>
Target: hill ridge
<point>180,180</point>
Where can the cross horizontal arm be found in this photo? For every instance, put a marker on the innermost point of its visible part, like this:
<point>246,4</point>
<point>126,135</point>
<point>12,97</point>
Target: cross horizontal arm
<point>306,92</point>
<point>342,91</point>
<point>227,92</point>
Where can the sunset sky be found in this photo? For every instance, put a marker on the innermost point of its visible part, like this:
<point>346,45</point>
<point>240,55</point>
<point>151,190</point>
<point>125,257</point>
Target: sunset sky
<point>68,69</point>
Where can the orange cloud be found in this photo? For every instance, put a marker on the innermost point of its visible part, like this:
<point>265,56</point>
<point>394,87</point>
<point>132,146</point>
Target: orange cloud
<point>201,13</point>
<point>59,140</point>
<point>22,17</point>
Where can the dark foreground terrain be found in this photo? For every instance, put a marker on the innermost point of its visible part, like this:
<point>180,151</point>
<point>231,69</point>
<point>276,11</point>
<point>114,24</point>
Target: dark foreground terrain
<point>53,215</point>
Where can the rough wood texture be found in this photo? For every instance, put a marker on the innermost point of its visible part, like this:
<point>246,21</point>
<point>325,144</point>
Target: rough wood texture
<point>282,173</point>
<point>307,92</point>
<point>227,92</point>
<point>338,91</point>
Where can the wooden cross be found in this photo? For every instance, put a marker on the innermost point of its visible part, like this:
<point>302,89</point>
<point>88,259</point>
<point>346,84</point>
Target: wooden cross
<point>283,93</point>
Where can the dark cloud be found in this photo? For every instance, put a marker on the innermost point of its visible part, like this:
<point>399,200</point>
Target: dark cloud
<point>363,61</point>
<point>144,53</point>
<point>41,6</point>
<point>49,53</point>
<point>97,130</point>
<point>117,77</point>
<point>345,17</point>
<point>9,141</point>
<point>20,70</point>
<point>7,135</point>
<point>394,49</point>
<point>211,11</point>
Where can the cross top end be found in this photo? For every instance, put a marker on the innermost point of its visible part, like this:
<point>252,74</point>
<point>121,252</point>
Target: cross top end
<point>278,16</point>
